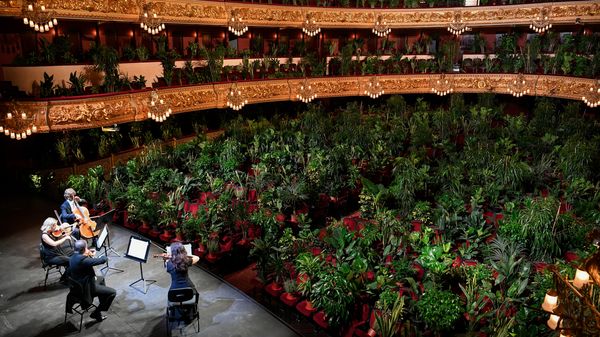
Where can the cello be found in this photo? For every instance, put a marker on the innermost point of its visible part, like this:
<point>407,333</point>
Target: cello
<point>86,225</point>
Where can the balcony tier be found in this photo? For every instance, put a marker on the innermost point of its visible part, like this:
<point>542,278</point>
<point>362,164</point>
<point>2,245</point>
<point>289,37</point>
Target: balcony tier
<point>94,111</point>
<point>218,13</point>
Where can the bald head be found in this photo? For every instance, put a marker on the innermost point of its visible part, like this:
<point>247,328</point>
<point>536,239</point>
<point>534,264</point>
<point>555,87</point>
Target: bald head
<point>80,246</point>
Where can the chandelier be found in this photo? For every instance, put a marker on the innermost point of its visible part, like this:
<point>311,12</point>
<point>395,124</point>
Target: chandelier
<point>150,21</point>
<point>541,23</point>
<point>37,17</point>
<point>518,87</point>
<point>381,28</point>
<point>457,26</point>
<point>235,99</point>
<point>158,109</point>
<point>442,86</point>
<point>573,305</point>
<point>309,26</point>
<point>306,93</point>
<point>236,25</point>
<point>592,98</point>
<point>374,88</point>
<point>18,125</point>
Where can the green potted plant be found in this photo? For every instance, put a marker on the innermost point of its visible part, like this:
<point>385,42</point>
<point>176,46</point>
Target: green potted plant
<point>439,309</point>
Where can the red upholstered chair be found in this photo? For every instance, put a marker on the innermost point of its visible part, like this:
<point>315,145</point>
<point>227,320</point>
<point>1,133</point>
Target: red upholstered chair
<point>321,320</point>
<point>274,289</point>
<point>305,308</point>
<point>367,331</point>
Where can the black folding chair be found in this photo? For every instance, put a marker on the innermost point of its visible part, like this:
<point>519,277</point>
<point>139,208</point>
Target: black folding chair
<point>74,304</point>
<point>48,268</point>
<point>182,306</point>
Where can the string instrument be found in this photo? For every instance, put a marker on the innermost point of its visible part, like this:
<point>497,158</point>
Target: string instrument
<point>163,255</point>
<point>86,225</point>
<point>63,229</point>
<point>90,253</point>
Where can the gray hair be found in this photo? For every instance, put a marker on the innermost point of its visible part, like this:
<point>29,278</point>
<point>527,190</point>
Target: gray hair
<point>80,246</point>
<point>48,224</point>
<point>69,193</point>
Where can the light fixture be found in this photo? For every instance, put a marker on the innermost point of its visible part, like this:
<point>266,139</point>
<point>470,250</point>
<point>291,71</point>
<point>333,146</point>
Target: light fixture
<point>592,97</point>
<point>158,110</point>
<point>573,306</point>
<point>38,17</point>
<point>518,87</point>
<point>581,278</point>
<point>306,92</point>
<point>457,26</point>
<point>541,22</point>
<point>442,86</point>
<point>236,24</point>
<point>309,26</point>
<point>374,88</point>
<point>381,28</point>
<point>150,21</point>
<point>235,100</point>
<point>18,124</point>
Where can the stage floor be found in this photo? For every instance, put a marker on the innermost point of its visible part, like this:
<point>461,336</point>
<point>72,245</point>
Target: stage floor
<point>27,309</point>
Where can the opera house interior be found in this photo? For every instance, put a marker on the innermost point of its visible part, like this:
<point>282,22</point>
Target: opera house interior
<point>323,167</point>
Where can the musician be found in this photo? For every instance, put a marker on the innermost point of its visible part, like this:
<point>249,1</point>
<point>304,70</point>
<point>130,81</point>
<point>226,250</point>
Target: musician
<point>82,270</point>
<point>57,245</point>
<point>67,209</point>
<point>177,266</point>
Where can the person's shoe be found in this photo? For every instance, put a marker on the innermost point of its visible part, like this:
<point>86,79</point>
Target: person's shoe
<point>97,315</point>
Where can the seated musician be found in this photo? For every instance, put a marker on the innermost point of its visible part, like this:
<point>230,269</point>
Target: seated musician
<point>177,265</point>
<point>67,210</point>
<point>82,271</point>
<point>57,245</point>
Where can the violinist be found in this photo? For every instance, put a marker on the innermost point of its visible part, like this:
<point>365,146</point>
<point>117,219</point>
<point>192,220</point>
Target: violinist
<point>82,271</point>
<point>57,246</point>
<point>177,265</point>
<point>67,210</point>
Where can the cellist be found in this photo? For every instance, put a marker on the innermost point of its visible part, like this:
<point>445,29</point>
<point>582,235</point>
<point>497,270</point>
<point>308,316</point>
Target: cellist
<point>67,211</point>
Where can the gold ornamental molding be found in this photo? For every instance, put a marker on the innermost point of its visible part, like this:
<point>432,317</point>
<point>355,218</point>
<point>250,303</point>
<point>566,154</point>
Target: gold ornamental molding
<point>109,109</point>
<point>217,13</point>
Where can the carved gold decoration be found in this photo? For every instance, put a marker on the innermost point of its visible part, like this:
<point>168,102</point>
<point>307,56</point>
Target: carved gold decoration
<point>212,13</point>
<point>309,25</point>
<point>373,88</point>
<point>60,115</point>
<point>150,21</point>
<point>158,109</point>
<point>381,28</point>
<point>235,99</point>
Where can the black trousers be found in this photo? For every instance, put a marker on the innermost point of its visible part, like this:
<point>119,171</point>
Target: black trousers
<point>105,294</point>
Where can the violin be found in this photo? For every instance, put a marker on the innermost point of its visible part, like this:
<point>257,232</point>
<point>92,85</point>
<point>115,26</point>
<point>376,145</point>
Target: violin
<point>63,228</point>
<point>86,225</point>
<point>90,253</point>
<point>163,255</point>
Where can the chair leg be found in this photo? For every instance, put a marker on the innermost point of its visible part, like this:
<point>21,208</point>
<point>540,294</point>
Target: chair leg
<point>80,321</point>
<point>46,278</point>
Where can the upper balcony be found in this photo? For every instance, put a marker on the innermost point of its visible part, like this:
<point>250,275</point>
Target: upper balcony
<point>326,13</point>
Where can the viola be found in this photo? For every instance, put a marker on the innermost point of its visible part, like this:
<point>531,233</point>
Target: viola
<point>87,226</point>
<point>163,255</point>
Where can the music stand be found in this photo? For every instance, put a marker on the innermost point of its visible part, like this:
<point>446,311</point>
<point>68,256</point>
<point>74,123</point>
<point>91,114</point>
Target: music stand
<point>104,219</point>
<point>137,250</point>
<point>104,237</point>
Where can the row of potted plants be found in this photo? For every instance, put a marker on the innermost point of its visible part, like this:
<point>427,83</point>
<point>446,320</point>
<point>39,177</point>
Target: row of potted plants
<point>455,209</point>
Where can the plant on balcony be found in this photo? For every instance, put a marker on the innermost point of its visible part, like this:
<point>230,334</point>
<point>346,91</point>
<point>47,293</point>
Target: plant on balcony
<point>106,60</point>
<point>77,83</point>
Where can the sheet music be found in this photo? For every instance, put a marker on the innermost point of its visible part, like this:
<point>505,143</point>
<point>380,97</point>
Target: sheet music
<point>102,237</point>
<point>187,246</point>
<point>138,249</point>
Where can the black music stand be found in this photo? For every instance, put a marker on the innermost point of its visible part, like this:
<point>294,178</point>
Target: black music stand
<point>105,219</point>
<point>138,250</point>
<point>102,238</point>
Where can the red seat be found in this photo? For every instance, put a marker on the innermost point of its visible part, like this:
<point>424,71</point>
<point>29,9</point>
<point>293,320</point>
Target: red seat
<point>321,320</point>
<point>305,308</point>
<point>289,299</point>
<point>274,289</point>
